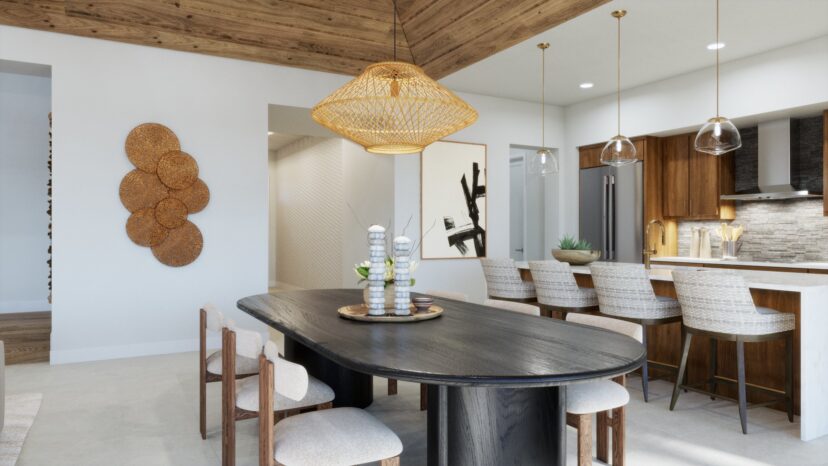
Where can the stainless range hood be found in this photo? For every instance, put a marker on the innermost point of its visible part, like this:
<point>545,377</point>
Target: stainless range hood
<point>774,180</point>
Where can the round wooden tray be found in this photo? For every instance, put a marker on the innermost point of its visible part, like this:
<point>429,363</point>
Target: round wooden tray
<point>360,312</point>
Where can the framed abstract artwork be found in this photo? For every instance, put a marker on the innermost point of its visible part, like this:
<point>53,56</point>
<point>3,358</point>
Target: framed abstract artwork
<point>453,200</point>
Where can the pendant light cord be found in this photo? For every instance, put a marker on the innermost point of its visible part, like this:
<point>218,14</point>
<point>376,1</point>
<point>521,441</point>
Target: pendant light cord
<point>543,97</point>
<point>717,58</point>
<point>394,3</point>
<point>618,76</point>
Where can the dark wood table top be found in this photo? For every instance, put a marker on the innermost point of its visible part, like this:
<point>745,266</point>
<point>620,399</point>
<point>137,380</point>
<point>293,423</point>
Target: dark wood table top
<point>470,344</point>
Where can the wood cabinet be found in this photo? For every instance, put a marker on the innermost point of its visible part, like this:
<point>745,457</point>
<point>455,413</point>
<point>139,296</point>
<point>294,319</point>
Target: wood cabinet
<point>693,181</point>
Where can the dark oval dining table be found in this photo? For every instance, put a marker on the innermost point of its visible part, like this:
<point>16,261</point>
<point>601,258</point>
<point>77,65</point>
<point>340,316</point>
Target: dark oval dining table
<point>496,379</point>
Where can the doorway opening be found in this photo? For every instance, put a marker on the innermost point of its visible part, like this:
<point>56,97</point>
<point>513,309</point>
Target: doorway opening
<point>533,208</point>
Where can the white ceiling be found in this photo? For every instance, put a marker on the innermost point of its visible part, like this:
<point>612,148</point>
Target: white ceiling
<point>660,39</point>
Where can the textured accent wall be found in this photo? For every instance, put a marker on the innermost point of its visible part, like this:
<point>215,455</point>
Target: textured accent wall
<point>780,231</point>
<point>308,179</point>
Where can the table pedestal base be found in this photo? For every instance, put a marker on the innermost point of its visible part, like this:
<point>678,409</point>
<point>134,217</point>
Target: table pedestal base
<point>352,389</point>
<point>479,426</point>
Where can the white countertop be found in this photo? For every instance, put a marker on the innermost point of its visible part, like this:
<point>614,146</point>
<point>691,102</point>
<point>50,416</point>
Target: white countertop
<point>759,279</point>
<point>723,262</point>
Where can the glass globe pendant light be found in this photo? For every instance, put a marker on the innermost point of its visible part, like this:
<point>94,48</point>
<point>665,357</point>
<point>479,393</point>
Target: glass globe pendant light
<point>719,135</point>
<point>619,150</point>
<point>544,162</point>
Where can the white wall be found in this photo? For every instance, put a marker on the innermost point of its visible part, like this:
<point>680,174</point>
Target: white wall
<point>327,191</point>
<point>776,81</point>
<point>502,123</point>
<point>25,103</point>
<point>111,297</point>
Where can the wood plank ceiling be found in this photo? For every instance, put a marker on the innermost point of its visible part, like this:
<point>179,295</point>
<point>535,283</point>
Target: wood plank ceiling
<point>339,36</point>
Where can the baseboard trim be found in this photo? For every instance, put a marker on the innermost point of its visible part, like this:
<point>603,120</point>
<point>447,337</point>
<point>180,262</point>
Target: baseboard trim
<point>102,353</point>
<point>7,307</point>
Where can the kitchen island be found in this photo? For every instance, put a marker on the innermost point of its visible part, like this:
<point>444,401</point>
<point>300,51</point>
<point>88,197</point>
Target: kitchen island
<point>803,294</point>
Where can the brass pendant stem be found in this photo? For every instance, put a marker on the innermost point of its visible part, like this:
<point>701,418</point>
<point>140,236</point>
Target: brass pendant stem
<point>717,58</point>
<point>618,14</point>
<point>543,46</point>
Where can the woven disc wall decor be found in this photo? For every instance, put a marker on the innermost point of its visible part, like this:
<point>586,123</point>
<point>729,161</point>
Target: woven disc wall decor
<point>177,170</point>
<point>141,190</point>
<point>195,197</point>
<point>146,143</point>
<point>161,193</point>
<point>144,230</point>
<point>182,246</point>
<point>171,213</point>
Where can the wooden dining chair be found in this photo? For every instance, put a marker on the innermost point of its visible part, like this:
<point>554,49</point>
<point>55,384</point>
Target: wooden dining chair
<point>240,398</point>
<point>331,437</point>
<point>212,320</point>
<point>392,383</point>
<point>604,398</point>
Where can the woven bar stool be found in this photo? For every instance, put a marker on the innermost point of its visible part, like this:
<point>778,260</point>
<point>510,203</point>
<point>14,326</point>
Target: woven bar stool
<point>557,290</point>
<point>503,281</point>
<point>718,305</point>
<point>625,292</point>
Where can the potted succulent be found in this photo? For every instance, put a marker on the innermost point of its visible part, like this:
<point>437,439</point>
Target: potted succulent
<point>361,271</point>
<point>576,252</point>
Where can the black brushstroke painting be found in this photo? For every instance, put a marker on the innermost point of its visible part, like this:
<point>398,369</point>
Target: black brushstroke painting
<point>457,236</point>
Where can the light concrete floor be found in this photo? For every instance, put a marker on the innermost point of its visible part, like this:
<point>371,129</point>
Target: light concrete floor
<point>144,411</point>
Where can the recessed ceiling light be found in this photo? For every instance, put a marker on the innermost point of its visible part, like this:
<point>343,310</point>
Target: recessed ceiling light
<point>586,85</point>
<point>270,133</point>
<point>715,46</point>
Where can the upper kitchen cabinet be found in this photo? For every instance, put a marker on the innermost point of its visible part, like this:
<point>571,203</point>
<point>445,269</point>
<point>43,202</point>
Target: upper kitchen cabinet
<point>694,181</point>
<point>590,156</point>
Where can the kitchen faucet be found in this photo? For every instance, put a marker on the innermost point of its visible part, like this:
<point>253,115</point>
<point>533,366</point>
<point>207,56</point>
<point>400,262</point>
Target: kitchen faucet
<point>647,251</point>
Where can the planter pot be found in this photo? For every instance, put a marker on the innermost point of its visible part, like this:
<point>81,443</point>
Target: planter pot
<point>576,256</point>
<point>390,294</point>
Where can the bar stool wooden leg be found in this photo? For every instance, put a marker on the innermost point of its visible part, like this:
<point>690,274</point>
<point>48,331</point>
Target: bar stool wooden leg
<point>645,376</point>
<point>601,437</point>
<point>682,367</point>
<point>740,378</point>
<point>618,434</point>
<point>583,424</point>
<point>202,374</point>
<point>789,375</point>
<point>392,386</point>
<point>712,366</point>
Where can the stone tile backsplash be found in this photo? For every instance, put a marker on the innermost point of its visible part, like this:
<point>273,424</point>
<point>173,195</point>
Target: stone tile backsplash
<point>779,231</point>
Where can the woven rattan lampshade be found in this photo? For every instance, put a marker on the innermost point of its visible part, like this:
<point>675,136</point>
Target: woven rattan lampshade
<point>393,108</point>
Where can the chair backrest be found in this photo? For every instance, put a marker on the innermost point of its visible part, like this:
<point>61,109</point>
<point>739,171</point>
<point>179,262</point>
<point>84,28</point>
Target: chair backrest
<point>289,379</point>
<point>503,279</point>
<point>522,308</point>
<point>457,296</point>
<point>555,284</point>
<point>715,300</point>
<point>623,290</point>
<point>630,329</point>
<point>248,342</point>
<point>214,319</point>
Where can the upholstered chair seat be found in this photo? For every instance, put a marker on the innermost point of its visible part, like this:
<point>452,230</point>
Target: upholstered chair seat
<point>247,395</point>
<point>342,436</point>
<point>503,280</point>
<point>594,397</point>
<point>557,289</point>
<point>243,365</point>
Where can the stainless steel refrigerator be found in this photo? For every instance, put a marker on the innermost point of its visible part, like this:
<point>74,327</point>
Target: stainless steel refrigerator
<point>612,211</point>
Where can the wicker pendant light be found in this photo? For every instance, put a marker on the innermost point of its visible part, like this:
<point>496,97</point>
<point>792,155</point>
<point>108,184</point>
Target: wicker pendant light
<point>393,107</point>
<point>719,135</point>
<point>619,150</point>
